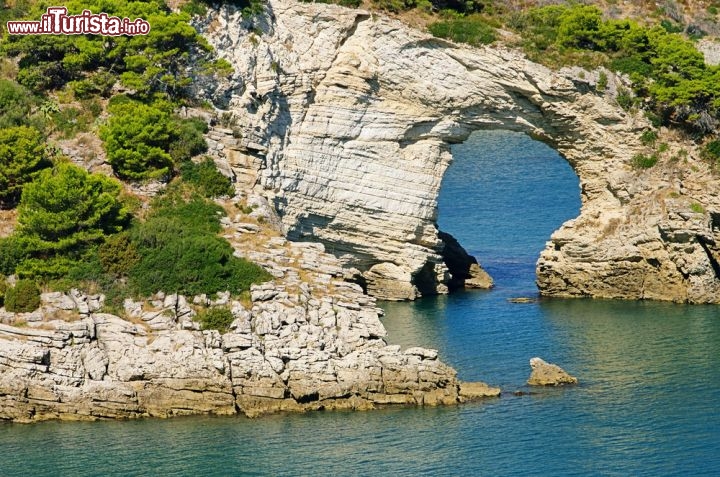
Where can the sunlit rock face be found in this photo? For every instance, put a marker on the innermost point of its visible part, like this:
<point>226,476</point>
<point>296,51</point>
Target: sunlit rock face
<point>349,117</point>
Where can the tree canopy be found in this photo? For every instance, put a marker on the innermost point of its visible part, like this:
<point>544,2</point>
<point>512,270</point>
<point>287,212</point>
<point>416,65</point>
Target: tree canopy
<point>22,156</point>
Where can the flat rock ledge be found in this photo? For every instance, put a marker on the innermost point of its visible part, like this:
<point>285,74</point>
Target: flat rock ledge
<point>546,374</point>
<point>289,350</point>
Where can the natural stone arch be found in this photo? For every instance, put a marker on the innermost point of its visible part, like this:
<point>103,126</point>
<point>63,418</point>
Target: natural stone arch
<point>351,116</point>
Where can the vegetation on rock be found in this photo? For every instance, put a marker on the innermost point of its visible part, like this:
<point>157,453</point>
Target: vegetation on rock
<point>215,318</point>
<point>205,177</point>
<point>22,156</point>
<point>180,251</point>
<point>472,29</point>
<point>23,297</point>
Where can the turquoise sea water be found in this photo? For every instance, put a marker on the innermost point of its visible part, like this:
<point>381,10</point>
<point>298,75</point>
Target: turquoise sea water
<point>646,404</point>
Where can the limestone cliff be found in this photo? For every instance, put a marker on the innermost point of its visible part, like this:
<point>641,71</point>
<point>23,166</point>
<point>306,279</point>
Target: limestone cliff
<point>306,341</point>
<point>349,116</point>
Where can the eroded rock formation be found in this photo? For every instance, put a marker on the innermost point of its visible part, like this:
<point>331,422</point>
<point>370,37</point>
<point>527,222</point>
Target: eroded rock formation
<point>547,374</point>
<point>308,340</point>
<point>349,118</point>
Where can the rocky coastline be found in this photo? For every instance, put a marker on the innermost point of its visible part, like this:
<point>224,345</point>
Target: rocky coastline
<point>338,132</point>
<point>308,340</point>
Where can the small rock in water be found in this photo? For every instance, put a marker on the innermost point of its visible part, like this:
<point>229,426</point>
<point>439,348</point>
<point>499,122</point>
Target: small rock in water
<point>522,299</point>
<point>546,374</point>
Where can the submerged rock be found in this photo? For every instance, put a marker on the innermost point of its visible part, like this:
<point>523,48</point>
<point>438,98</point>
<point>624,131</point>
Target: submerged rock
<point>546,374</point>
<point>477,390</point>
<point>522,299</point>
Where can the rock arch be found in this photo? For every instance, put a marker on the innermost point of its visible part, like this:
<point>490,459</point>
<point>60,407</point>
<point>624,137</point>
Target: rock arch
<point>350,116</point>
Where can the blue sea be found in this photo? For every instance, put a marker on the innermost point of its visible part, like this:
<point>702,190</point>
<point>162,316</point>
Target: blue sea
<point>646,404</point>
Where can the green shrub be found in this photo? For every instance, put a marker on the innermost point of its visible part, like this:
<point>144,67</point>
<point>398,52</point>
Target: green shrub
<point>22,156</point>
<point>137,138</point>
<point>3,289</point>
<point>12,252</point>
<point>641,161</point>
<point>625,99</point>
<point>23,297</point>
<point>66,208</point>
<point>118,255</point>
<point>472,30</point>
<point>68,122</point>
<point>216,319</point>
<point>187,139</point>
<point>193,265</point>
<point>206,178</point>
<point>16,104</point>
<point>711,151</point>
<point>648,137</point>
<point>697,208</point>
<point>164,62</point>
<point>664,67</point>
<point>180,251</point>
<point>602,81</point>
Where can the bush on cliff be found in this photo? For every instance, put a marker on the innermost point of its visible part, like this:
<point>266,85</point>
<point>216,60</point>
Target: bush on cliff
<point>143,141</point>
<point>137,138</point>
<point>180,251</point>
<point>206,178</point>
<point>22,156</point>
<point>16,105</point>
<point>62,215</point>
<point>23,297</point>
<point>215,319</point>
<point>3,289</point>
<point>472,29</point>
<point>664,67</point>
<point>163,62</point>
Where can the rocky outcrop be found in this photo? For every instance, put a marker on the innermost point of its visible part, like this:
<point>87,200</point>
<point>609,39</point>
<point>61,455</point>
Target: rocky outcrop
<point>546,374</point>
<point>308,340</point>
<point>349,118</point>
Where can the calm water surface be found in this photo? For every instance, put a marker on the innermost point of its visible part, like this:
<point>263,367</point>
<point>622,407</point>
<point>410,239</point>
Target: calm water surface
<point>646,404</point>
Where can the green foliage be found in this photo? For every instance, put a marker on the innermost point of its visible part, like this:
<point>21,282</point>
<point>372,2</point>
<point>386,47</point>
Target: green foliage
<point>137,138</point>
<point>67,208</point>
<point>16,104</point>
<point>143,140</point>
<point>22,156</point>
<point>23,297</point>
<point>12,251</point>
<point>181,252</point>
<point>70,121</point>
<point>118,255</point>
<point>602,81</point>
<point>157,63</point>
<point>207,180</point>
<point>664,67</point>
<point>697,208</point>
<point>3,289</point>
<point>642,161</point>
<point>472,29</point>
<point>625,99</point>
<point>97,84</point>
<point>216,319</point>
<point>649,137</point>
<point>711,151</point>
<point>187,139</point>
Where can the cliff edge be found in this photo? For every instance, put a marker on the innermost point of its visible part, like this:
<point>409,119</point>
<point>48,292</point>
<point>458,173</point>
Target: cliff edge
<point>349,116</point>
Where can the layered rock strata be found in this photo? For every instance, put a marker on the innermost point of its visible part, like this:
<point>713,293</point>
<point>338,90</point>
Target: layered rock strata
<point>308,340</point>
<point>350,117</point>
